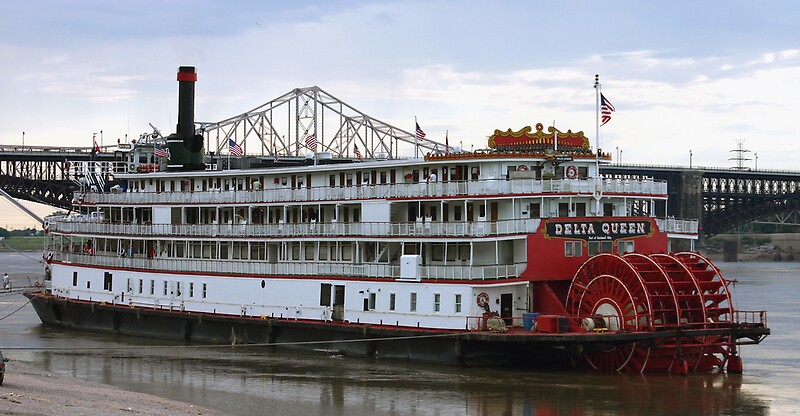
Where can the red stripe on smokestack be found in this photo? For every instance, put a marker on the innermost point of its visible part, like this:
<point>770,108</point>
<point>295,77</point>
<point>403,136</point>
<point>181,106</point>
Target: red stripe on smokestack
<point>187,76</point>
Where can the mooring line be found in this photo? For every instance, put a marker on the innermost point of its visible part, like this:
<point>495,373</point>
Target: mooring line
<point>235,345</point>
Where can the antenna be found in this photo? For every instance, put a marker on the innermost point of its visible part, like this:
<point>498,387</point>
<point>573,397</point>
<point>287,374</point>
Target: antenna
<point>740,155</point>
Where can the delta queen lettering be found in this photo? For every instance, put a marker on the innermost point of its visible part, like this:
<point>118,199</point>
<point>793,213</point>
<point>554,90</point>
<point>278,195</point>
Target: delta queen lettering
<point>598,230</point>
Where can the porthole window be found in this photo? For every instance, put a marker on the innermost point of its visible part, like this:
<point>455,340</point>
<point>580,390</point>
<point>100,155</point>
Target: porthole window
<point>263,284</point>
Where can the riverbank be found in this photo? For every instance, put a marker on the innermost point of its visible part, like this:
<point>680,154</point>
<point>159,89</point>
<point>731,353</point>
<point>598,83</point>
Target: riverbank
<point>14,244</point>
<point>28,390</point>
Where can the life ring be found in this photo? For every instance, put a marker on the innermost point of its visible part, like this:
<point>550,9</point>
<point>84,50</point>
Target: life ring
<point>482,299</point>
<point>572,172</point>
<point>522,167</point>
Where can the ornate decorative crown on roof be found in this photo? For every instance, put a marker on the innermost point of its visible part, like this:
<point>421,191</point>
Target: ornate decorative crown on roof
<point>525,140</point>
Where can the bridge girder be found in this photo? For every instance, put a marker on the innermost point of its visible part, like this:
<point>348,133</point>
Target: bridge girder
<point>721,216</point>
<point>337,126</point>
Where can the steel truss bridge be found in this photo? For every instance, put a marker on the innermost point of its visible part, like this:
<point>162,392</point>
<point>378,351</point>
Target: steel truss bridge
<point>723,198</point>
<point>280,128</point>
<point>277,130</point>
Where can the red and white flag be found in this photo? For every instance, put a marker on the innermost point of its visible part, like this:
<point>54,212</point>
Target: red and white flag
<point>311,142</point>
<point>420,133</point>
<point>357,152</point>
<point>606,108</point>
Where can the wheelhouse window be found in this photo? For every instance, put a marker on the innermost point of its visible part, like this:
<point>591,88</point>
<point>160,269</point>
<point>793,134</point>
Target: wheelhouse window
<point>625,247</point>
<point>573,248</point>
<point>413,303</point>
<point>596,247</point>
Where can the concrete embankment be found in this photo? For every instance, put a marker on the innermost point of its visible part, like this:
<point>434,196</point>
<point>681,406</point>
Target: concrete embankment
<point>753,247</point>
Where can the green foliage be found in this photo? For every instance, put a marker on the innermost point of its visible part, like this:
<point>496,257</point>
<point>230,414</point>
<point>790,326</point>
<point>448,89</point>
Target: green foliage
<point>20,233</point>
<point>22,244</point>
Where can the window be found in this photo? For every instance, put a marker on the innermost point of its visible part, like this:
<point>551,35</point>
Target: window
<point>178,288</point>
<point>580,209</point>
<point>325,294</point>
<point>191,289</point>
<point>107,281</point>
<point>573,248</point>
<point>563,209</point>
<point>625,247</point>
<point>536,210</point>
<point>437,302</point>
<point>437,251</point>
<point>458,303</point>
<point>129,287</point>
<point>141,286</point>
<point>152,287</point>
<point>372,299</point>
<point>413,305</point>
<point>475,171</point>
<point>392,300</point>
<point>596,247</point>
<point>165,288</point>
<point>204,290</point>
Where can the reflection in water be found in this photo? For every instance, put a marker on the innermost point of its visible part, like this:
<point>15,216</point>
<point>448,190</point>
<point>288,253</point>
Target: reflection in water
<point>243,381</point>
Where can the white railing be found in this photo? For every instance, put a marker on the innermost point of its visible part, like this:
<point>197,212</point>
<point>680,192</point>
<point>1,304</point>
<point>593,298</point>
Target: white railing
<point>263,268</point>
<point>73,224</point>
<point>675,225</point>
<point>402,190</point>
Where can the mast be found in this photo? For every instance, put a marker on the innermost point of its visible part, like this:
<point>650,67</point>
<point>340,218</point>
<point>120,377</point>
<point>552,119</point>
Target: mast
<point>598,189</point>
<point>597,126</point>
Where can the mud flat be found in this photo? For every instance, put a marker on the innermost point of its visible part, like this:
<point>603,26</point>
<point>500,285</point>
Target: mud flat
<point>28,390</point>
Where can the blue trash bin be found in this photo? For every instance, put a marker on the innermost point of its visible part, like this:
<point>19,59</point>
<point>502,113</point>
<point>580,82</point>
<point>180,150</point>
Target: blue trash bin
<point>528,318</point>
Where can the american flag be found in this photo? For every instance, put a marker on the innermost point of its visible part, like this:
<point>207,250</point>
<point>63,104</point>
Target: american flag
<point>311,142</point>
<point>357,152</point>
<point>606,108</point>
<point>97,148</point>
<point>420,133</point>
<point>161,152</point>
<point>234,149</point>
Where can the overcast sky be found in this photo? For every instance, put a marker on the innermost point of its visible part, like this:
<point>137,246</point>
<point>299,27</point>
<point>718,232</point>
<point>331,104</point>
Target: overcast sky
<point>683,75</point>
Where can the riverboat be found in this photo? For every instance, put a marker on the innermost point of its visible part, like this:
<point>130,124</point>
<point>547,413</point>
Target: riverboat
<point>519,254</point>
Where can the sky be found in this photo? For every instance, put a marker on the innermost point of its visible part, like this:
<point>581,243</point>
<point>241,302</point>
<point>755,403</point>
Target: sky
<point>684,76</point>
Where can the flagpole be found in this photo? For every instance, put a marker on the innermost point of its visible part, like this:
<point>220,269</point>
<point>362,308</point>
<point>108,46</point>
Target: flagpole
<point>597,186</point>
<point>555,137</point>
<point>597,125</point>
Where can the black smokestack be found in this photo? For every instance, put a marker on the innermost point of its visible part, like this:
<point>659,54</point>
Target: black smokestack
<point>186,148</point>
<point>186,79</point>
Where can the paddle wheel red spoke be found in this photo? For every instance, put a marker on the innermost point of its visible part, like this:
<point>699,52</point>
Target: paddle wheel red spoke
<point>660,292</point>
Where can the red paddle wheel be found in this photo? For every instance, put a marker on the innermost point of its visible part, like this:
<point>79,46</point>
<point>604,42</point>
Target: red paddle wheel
<point>638,293</point>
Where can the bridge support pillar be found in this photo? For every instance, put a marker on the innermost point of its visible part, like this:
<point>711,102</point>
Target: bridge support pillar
<point>730,251</point>
<point>690,197</point>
